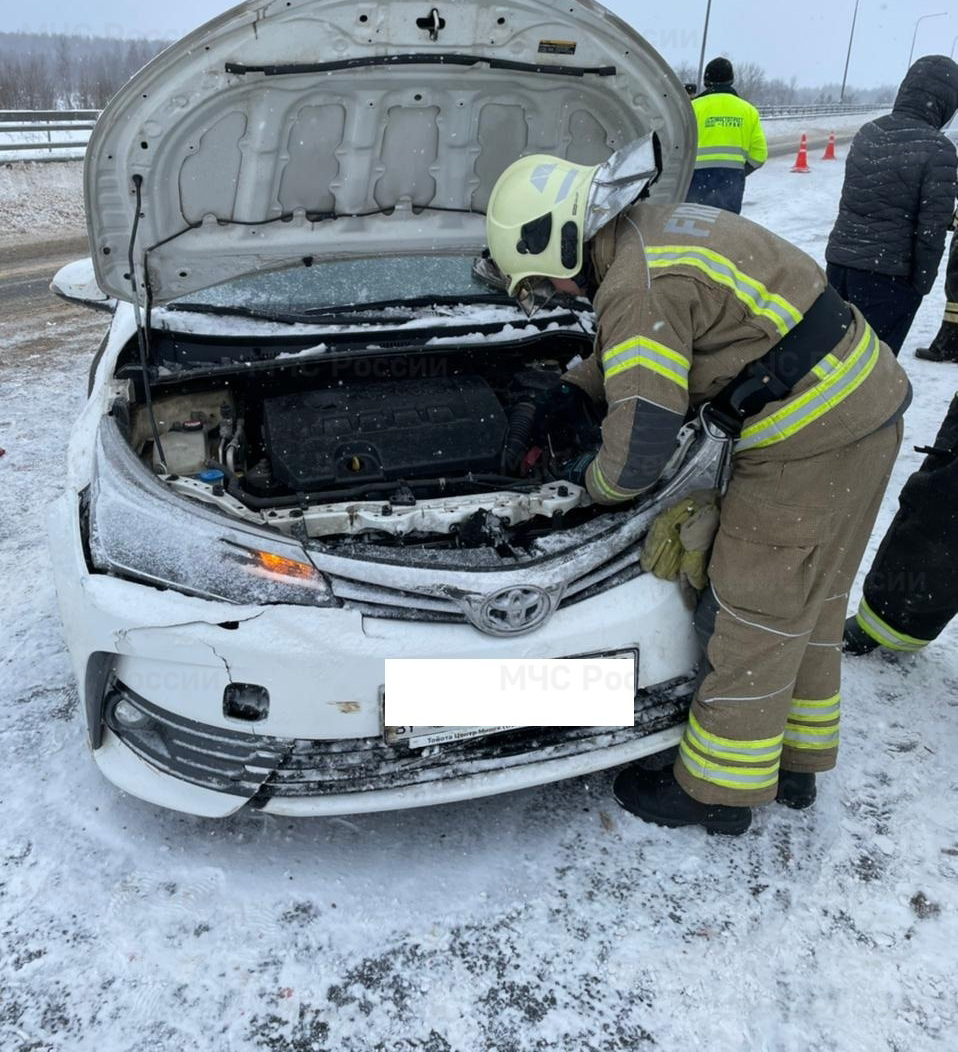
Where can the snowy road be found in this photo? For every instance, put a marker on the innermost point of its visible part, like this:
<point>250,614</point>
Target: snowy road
<point>544,920</point>
<point>25,272</point>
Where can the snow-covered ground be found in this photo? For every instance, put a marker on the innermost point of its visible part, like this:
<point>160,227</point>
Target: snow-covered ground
<point>543,920</point>
<point>40,201</point>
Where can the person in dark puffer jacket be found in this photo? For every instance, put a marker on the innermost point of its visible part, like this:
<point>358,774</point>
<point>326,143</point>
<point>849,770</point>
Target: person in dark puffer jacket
<point>897,202</point>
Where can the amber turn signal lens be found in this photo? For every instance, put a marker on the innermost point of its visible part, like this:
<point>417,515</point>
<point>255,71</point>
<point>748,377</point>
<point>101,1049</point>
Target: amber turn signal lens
<point>279,564</point>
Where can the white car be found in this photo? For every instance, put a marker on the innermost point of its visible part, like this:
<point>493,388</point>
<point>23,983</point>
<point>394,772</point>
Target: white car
<point>305,448</point>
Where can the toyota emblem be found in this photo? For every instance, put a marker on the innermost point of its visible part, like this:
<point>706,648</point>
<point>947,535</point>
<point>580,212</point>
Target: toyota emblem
<point>513,610</point>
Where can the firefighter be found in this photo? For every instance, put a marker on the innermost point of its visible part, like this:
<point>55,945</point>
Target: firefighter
<point>944,347</point>
<point>911,590</point>
<point>731,143</point>
<point>695,305</point>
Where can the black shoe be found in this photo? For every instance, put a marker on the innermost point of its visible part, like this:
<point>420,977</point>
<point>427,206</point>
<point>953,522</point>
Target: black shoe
<point>944,347</point>
<point>655,796</point>
<point>796,789</point>
<point>936,354</point>
<point>855,640</point>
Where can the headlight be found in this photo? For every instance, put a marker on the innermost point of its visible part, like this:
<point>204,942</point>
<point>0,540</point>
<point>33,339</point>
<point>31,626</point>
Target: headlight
<point>139,529</point>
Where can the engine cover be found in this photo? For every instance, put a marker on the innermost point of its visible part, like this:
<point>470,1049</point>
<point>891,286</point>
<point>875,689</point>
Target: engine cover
<point>384,431</point>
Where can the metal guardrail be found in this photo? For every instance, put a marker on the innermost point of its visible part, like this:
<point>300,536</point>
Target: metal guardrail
<point>821,110</point>
<point>48,123</point>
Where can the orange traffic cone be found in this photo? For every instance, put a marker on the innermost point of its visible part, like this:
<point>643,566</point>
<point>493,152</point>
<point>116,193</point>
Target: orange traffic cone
<point>829,154</point>
<point>801,161</point>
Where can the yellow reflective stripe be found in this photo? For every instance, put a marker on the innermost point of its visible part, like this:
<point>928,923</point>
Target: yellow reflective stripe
<point>818,391</point>
<point>750,291</point>
<point>727,281</point>
<point>731,748</point>
<point>826,366</point>
<point>712,155</point>
<point>651,355</point>
<point>610,491</point>
<point>737,165</point>
<point>814,732</point>
<point>825,711</point>
<point>883,633</point>
<point>814,403</point>
<point>746,279</point>
<point>818,703</point>
<point>819,746</point>
<point>798,737</point>
<point>654,367</point>
<point>652,345</point>
<point>719,147</point>
<point>742,778</point>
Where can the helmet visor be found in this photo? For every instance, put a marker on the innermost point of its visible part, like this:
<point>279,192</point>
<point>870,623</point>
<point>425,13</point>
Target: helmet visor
<point>534,294</point>
<point>485,270</point>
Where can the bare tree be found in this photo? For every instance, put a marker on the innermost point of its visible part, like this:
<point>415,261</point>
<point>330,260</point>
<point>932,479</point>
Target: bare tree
<point>687,73</point>
<point>750,81</point>
<point>55,71</point>
<point>48,71</point>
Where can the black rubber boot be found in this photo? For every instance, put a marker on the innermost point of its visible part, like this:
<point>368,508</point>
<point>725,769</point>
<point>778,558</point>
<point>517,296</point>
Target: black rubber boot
<point>655,796</point>
<point>855,640</point>
<point>796,789</point>
<point>944,347</point>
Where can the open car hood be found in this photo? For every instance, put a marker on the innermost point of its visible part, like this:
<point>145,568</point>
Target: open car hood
<point>245,139</point>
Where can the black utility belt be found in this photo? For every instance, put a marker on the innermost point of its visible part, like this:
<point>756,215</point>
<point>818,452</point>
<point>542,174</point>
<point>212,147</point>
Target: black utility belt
<point>776,374</point>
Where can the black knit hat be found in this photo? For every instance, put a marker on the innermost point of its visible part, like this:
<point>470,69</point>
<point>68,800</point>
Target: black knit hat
<point>719,71</point>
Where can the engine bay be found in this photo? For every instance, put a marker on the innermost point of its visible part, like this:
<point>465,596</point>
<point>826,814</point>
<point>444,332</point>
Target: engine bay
<point>385,431</point>
<point>455,449</point>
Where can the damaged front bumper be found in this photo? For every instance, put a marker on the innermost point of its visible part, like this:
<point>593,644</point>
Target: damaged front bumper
<point>307,776</point>
<point>320,748</point>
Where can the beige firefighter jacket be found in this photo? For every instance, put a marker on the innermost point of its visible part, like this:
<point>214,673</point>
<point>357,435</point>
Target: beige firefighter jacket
<point>688,295</point>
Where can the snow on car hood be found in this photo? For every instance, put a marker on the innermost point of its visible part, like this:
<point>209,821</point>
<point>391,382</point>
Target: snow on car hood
<point>245,138</point>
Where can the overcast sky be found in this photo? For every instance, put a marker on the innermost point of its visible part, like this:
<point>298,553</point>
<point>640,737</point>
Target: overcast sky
<point>809,45</point>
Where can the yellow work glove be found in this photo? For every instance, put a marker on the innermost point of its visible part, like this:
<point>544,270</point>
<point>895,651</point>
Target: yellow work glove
<point>680,539</point>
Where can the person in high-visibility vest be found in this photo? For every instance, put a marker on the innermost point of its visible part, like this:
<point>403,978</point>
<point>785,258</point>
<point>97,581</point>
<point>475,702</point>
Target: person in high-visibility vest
<point>731,143</point>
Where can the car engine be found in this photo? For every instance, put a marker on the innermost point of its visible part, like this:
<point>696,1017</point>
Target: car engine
<point>384,431</point>
<point>439,449</point>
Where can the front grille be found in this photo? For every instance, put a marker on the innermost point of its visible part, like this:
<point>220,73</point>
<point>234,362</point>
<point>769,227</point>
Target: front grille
<point>262,767</point>
<point>396,604</point>
<point>621,567</point>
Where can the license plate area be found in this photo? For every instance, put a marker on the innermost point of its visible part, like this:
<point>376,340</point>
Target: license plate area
<point>424,737</point>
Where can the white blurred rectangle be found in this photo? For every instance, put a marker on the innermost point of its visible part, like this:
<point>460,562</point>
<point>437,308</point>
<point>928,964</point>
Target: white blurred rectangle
<point>509,692</point>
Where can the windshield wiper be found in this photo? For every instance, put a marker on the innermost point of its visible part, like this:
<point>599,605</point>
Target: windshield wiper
<point>407,305</point>
<point>281,317</point>
<point>346,313</point>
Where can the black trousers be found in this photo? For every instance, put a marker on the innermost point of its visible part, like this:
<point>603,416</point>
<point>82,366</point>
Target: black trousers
<point>951,271</point>
<point>718,187</point>
<point>946,339</point>
<point>889,303</point>
<point>913,583</point>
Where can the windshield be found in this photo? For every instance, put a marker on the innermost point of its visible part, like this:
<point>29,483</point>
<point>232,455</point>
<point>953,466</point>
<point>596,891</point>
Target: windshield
<point>377,281</point>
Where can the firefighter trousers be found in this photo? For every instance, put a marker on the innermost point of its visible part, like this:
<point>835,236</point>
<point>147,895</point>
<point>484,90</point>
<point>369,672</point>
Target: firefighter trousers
<point>791,538</point>
<point>911,590</point>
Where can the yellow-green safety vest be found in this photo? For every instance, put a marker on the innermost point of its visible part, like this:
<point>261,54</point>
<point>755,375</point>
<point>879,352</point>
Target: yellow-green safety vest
<point>730,133</point>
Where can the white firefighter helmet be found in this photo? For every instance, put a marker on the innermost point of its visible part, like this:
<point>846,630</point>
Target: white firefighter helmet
<point>543,209</point>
